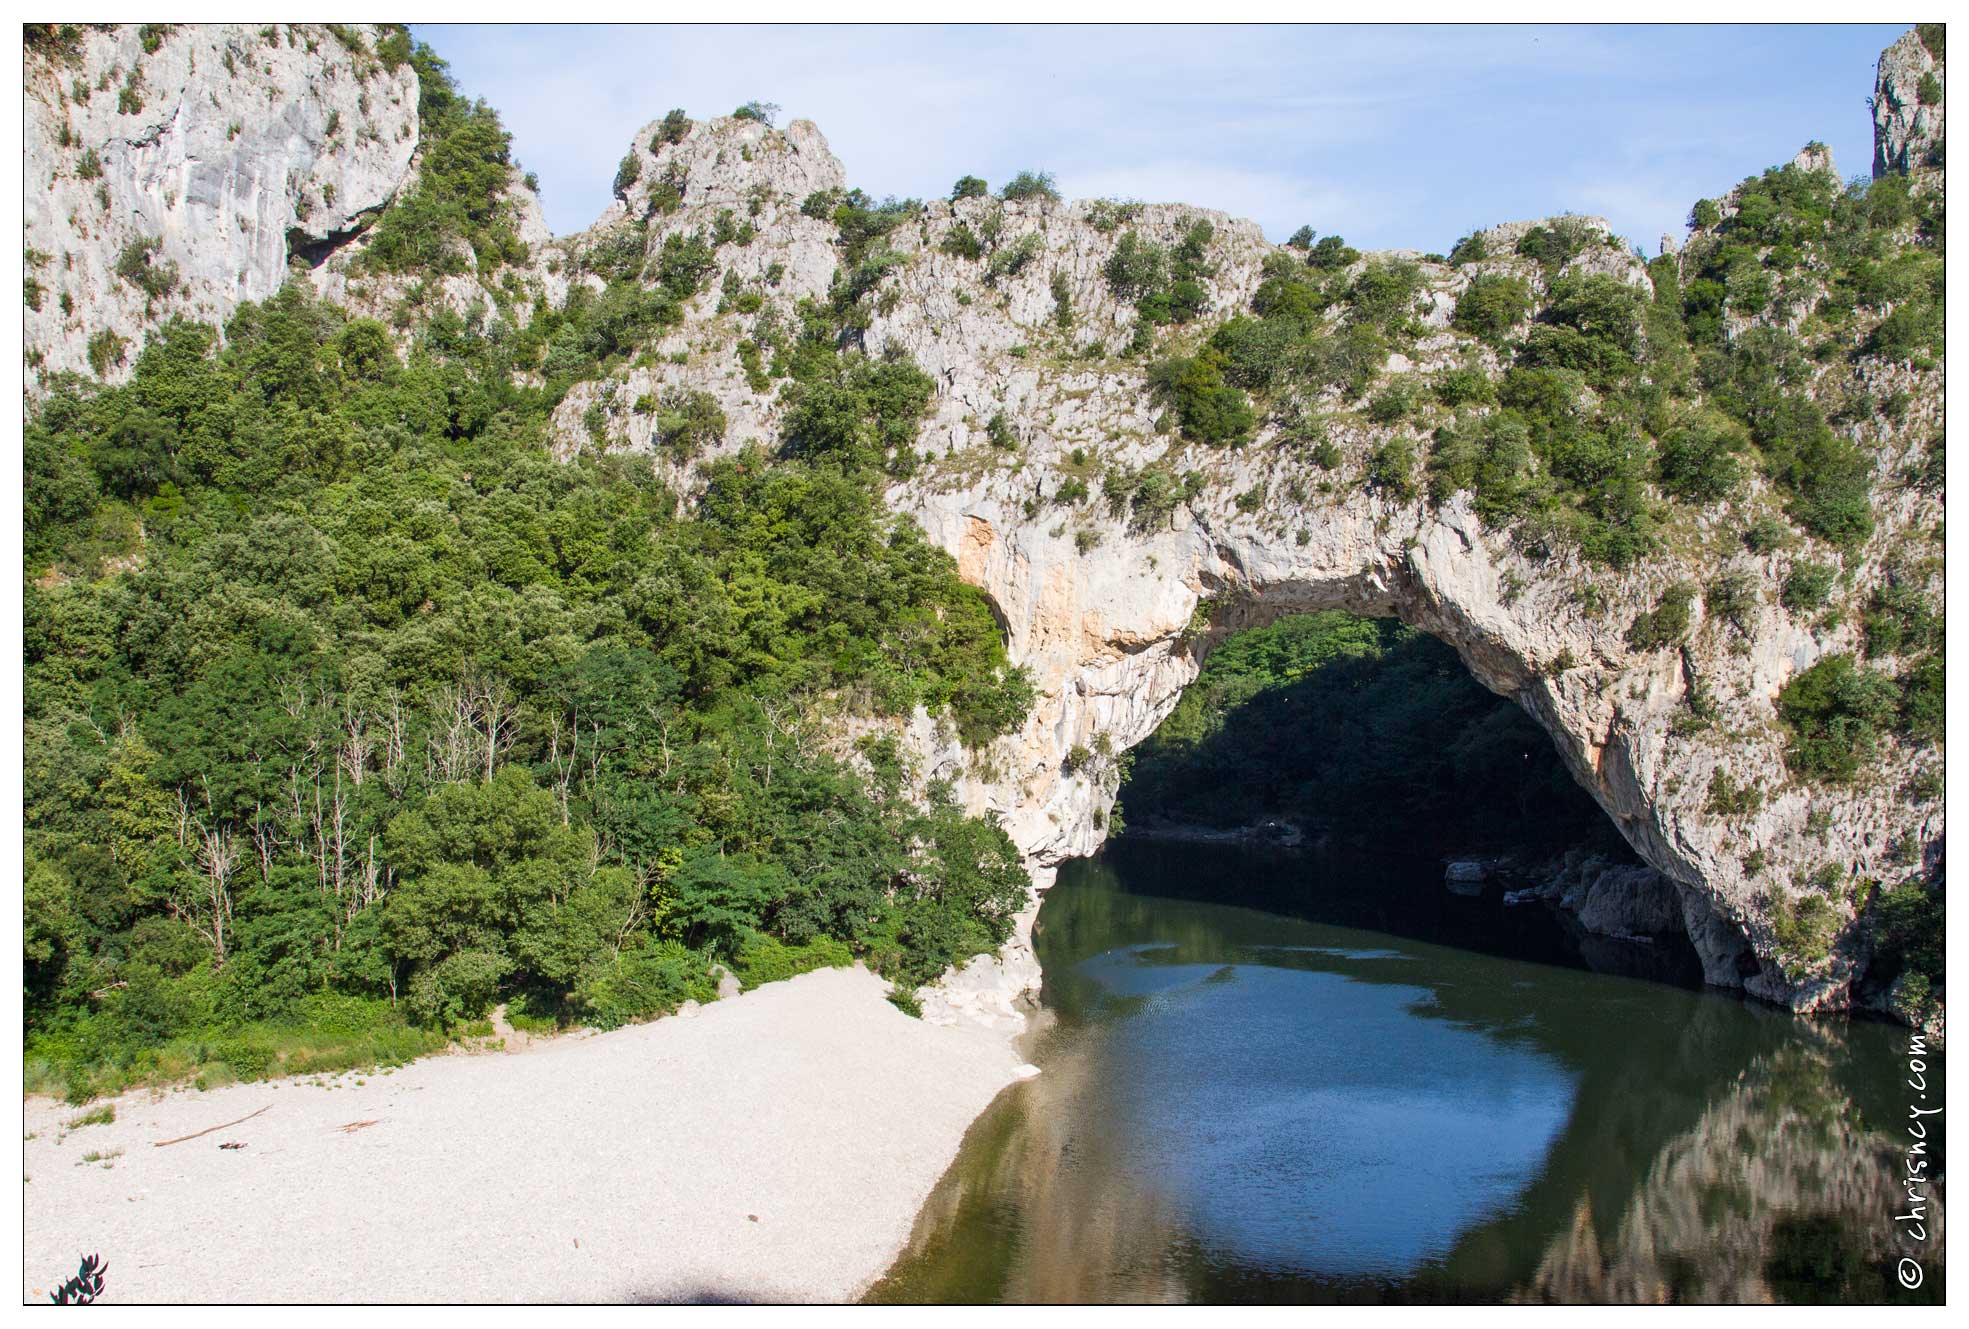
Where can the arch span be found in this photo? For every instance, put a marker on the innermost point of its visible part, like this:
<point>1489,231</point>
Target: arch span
<point>1115,630</point>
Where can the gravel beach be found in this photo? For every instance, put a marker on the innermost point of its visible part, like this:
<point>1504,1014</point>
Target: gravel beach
<point>772,1147</point>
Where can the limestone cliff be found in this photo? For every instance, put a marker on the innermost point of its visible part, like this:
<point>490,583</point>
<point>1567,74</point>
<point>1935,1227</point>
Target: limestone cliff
<point>753,178</point>
<point>1045,435</point>
<point>1038,397</point>
<point>400,297</point>
<point>1908,104</point>
<point>175,170</point>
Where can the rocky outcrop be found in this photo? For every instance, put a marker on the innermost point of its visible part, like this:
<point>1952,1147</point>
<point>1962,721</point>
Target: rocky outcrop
<point>1108,632</point>
<point>1042,420</point>
<point>1908,106</point>
<point>995,991</point>
<point>757,179</point>
<point>175,170</point>
<point>475,296</point>
<point>1631,902</point>
<point>1466,877</point>
<point>1614,899</point>
<point>1114,614</point>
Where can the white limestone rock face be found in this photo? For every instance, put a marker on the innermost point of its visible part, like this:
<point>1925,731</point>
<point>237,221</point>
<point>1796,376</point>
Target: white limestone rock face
<point>992,991</point>
<point>1105,613</point>
<point>725,162</point>
<point>232,147</point>
<point>505,295</point>
<point>728,173</point>
<point>1113,615</point>
<point>1109,634</point>
<point>1907,130</point>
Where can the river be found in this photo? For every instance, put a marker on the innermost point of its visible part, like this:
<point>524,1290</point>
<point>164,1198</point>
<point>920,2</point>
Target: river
<point>1353,1087</point>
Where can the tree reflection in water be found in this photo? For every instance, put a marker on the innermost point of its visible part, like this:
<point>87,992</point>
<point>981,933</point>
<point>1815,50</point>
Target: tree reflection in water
<point>1209,1126</point>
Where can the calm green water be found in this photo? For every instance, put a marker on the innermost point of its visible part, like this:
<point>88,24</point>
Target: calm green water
<point>1244,1105</point>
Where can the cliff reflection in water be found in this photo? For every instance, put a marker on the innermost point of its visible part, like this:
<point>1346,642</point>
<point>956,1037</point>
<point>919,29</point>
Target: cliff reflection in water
<point>1239,1105</point>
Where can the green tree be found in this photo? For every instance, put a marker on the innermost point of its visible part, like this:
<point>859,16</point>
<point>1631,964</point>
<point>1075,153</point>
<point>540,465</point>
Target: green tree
<point>1030,185</point>
<point>1491,306</point>
<point>1835,712</point>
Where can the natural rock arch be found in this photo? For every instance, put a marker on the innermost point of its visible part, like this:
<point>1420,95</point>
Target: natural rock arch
<point>1095,602</point>
<point>1114,642</point>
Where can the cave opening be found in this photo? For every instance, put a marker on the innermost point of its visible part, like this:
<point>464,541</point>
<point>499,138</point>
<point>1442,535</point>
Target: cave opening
<point>1352,769</point>
<point>1263,997</point>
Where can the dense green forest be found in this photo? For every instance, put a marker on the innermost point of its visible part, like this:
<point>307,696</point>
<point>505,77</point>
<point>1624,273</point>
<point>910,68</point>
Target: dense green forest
<point>1610,394</point>
<point>350,711</point>
<point>1364,729</point>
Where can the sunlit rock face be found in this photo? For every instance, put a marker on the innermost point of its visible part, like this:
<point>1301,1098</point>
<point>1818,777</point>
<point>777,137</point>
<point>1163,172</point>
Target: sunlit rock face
<point>249,148</point>
<point>1113,614</point>
<point>232,148</point>
<point>753,177</point>
<point>1908,128</point>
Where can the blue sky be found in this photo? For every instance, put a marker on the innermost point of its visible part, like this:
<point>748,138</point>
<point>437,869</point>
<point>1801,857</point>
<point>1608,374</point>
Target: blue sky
<point>1391,136</point>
